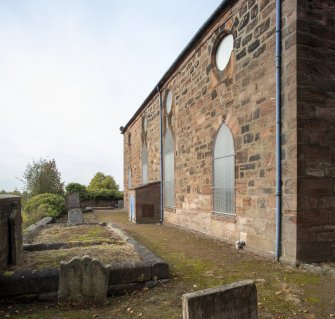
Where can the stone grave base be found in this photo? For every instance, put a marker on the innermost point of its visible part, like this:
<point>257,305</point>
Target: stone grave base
<point>43,285</point>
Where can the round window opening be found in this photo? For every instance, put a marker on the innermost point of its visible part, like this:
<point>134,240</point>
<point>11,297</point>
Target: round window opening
<point>168,102</point>
<point>223,52</point>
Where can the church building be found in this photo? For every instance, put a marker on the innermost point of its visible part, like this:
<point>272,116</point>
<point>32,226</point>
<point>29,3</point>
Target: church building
<point>237,139</point>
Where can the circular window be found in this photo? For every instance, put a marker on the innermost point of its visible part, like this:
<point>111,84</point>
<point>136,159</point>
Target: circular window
<point>223,52</point>
<point>168,102</point>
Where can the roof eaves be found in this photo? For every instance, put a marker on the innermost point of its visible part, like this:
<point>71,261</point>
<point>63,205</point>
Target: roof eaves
<point>180,58</point>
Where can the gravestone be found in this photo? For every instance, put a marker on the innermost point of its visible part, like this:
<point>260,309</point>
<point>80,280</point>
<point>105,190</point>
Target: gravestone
<point>120,203</point>
<point>234,301</point>
<point>10,230</point>
<point>72,200</point>
<point>83,280</point>
<point>75,216</point>
<point>15,231</point>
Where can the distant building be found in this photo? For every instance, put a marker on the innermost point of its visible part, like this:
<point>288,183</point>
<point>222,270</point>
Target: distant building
<point>219,131</point>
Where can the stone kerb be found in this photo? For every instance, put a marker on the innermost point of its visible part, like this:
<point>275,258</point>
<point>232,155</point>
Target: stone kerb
<point>32,230</point>
<point>83,279</point>
<point>234,301</point>
<point>159,268</point>
<point>28,284</point>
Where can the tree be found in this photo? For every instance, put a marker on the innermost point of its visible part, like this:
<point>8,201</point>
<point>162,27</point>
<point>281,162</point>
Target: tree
<point>102,181</point>
<point>43,177</point>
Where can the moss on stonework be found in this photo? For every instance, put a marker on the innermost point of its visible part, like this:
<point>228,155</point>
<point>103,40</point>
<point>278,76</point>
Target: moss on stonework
<point>8,273</point>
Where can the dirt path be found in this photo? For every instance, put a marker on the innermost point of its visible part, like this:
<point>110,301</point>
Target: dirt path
<point>197,262</point>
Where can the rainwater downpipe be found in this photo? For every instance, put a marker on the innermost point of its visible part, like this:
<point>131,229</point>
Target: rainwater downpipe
<point>161,153</point>
<point>278,131</point>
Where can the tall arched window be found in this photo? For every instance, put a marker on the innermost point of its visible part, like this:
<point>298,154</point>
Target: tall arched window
<point>129,177</point>
<point>144,165</point>
<point>224,172</point>
<point>168,169</point>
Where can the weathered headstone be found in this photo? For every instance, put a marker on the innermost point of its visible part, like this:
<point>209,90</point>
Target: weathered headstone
<point>83,279</point>
<point>120,203</point>
<point>234,301</point>
<point>10,230</point>
<point>16,241</point>
<point>72,200</point>
<point>75,216</point>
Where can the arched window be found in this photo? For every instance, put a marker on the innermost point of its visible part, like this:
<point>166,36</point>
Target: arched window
<point>144,165</point>
<point>129,177</point>
<point>224,172</point>
<point>168,169</point>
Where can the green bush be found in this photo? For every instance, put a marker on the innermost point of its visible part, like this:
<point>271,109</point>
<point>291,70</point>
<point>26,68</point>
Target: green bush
<point>104,194</point>
<point>43,205</point>
<point>75,187</point>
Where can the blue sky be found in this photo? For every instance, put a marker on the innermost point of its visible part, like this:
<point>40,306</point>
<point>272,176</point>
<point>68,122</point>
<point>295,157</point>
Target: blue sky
<point>73,71</point>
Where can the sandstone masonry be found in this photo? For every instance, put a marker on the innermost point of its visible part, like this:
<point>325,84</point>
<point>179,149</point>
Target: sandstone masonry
<point>243,98</point>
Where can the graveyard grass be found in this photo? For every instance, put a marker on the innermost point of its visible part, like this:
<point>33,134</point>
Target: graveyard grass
<point>83,233</point>
<point>198,262</point>
<point>111,247</point>
<point>106,253</point>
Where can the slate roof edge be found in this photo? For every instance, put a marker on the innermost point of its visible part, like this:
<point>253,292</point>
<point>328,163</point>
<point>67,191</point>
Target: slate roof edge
<point>191,44</point>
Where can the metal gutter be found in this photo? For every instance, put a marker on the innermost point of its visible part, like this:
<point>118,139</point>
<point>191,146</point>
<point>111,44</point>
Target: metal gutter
<point>161,153</point>
<point>278,131</point>
<point>191,44</point>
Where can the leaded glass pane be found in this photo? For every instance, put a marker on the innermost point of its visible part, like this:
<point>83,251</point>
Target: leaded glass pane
<point>144,165</point>
<point>168,103</point>
<point>168,170</point>
<point>129,177</point>
<point>224,172</point>
<point>224,143</point>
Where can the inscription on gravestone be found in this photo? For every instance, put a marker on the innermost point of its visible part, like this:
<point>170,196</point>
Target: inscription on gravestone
<point>72,200</point>
<point>83,279</point>
<point>75,216</point>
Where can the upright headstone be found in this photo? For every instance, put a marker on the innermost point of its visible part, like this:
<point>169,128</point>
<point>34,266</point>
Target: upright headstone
<point>16,239</point>
<point>83,280</point>
<point>72,200</point>
<point>10,230</point>
<point>120,203</point>
<point>234,301</point>
<point>75,216</point>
